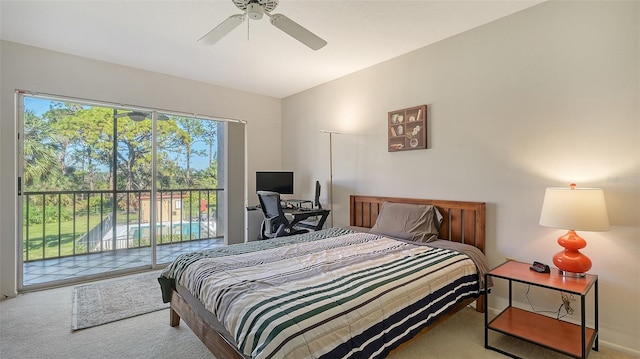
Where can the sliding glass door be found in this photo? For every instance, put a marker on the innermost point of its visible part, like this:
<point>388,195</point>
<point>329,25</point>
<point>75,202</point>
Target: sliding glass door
<point>188,192</point>
<point>107,189</point>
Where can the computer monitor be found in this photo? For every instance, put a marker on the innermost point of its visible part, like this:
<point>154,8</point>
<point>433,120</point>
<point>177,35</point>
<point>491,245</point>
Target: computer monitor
<point>281,182</point>
<point>316,201</point>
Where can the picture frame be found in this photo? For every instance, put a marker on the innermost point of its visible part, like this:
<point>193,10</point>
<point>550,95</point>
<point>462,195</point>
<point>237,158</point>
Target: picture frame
<point>407,129</point>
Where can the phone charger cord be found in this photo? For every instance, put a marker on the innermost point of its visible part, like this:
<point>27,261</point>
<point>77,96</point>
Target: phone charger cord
<point>566,300</point>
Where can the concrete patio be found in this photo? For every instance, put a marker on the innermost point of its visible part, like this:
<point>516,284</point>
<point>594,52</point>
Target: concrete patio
<point>42,272</point>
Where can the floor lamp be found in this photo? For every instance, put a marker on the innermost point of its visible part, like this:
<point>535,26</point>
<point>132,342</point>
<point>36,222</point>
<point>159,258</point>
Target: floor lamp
<point>331,133</point>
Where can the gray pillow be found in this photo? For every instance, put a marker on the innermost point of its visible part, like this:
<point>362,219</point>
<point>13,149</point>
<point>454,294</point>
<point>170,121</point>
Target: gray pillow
<point>414,222</point>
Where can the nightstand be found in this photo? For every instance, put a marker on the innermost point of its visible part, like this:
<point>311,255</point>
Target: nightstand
<point>556,334</point>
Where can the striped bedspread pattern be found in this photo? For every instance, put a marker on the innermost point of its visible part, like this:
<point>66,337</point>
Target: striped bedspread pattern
<point>177,267</point>
<point>357,295</point>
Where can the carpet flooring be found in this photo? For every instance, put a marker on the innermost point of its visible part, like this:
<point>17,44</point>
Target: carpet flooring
<point>109,301</point>
<point>36,325</point>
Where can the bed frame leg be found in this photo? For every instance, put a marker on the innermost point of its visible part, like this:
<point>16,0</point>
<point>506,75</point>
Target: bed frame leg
<point>481,304</point>
<point>174,319</point>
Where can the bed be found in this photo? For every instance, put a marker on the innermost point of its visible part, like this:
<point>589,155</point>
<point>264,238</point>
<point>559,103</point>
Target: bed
<point>339,292</point>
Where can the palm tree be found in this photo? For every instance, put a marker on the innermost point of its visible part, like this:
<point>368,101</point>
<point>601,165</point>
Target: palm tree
<point>40,148</point>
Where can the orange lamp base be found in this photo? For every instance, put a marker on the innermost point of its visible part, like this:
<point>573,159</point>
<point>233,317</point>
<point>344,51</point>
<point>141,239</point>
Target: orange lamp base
<point>571,262</point>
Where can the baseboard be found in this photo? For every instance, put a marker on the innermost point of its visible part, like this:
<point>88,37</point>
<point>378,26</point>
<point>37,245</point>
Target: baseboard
<point>619,348</point>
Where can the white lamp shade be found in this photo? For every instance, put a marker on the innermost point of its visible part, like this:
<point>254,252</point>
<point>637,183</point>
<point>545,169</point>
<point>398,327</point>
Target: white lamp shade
<point>578,209</point>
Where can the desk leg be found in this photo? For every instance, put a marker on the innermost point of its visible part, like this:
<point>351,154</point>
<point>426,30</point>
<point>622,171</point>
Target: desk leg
<point>323,219</point>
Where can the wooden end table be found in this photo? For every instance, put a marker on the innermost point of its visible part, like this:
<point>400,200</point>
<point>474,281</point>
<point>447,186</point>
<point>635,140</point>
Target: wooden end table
<point>555,334</point>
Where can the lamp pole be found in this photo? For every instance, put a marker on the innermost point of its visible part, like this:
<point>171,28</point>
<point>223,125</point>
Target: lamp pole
<point>331,133</point>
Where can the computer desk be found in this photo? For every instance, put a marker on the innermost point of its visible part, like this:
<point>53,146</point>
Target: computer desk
<point>300,214</point>
<point>297,202</point>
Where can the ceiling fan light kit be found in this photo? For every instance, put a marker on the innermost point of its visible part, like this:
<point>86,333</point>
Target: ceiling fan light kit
<point>254,10</point>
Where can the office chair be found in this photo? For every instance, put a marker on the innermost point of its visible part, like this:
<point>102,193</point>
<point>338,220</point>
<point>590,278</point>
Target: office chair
<point>275,223</point>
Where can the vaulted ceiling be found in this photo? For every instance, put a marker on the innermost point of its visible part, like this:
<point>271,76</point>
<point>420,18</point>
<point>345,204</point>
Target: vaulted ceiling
<point>161,36</point>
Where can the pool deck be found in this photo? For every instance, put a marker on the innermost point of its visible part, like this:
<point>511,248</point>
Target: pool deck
<point>49,272</point>
<point>124,236</point>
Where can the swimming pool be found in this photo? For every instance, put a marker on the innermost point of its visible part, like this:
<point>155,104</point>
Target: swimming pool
<point>187,229</point>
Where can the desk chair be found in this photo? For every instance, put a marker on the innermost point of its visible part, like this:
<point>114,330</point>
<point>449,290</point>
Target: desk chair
<point>275,223</point>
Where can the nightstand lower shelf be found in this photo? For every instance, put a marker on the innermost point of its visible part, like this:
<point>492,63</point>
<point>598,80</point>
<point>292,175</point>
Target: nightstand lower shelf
<point>543,330</point>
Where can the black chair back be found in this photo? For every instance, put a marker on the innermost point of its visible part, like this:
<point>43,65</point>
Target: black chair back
<point>275,223</point>
<point>274,219</point>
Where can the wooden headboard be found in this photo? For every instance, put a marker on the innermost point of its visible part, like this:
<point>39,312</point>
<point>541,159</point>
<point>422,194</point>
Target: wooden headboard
<point>463,222</point>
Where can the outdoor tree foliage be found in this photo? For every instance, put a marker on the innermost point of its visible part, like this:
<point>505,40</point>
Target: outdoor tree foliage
<point>72,147</point>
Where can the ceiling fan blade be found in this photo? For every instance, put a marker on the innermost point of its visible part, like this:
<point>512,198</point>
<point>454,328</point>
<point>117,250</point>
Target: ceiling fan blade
<point>222,29</point>
<point>297,32</point>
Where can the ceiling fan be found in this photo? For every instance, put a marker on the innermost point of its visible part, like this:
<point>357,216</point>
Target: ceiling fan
<point>254,9</point>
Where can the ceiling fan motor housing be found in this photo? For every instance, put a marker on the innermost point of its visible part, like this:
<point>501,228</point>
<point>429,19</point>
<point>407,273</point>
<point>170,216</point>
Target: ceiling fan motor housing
<point>261,5</point>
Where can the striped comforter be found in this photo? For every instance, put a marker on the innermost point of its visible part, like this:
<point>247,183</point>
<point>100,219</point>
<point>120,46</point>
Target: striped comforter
<point>357,295</point>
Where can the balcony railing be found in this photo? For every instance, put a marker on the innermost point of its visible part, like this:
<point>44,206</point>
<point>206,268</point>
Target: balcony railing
<point>70,223</point>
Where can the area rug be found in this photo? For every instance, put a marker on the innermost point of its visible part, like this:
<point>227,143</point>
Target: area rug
<point>108,301</point>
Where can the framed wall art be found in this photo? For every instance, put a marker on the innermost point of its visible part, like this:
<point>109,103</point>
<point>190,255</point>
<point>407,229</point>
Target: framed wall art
<point>407,129</point>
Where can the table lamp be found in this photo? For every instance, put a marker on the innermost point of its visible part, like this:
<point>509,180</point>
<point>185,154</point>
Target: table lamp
<point>575,209</point>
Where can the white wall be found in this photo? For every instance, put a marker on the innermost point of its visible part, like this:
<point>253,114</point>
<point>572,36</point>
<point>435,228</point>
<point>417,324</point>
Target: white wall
<point>544,97</point>
<point>38,70</point>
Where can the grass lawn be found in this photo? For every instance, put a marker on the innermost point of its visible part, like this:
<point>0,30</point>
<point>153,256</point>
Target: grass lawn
<point>51,240</point>
<point>58,238</point>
